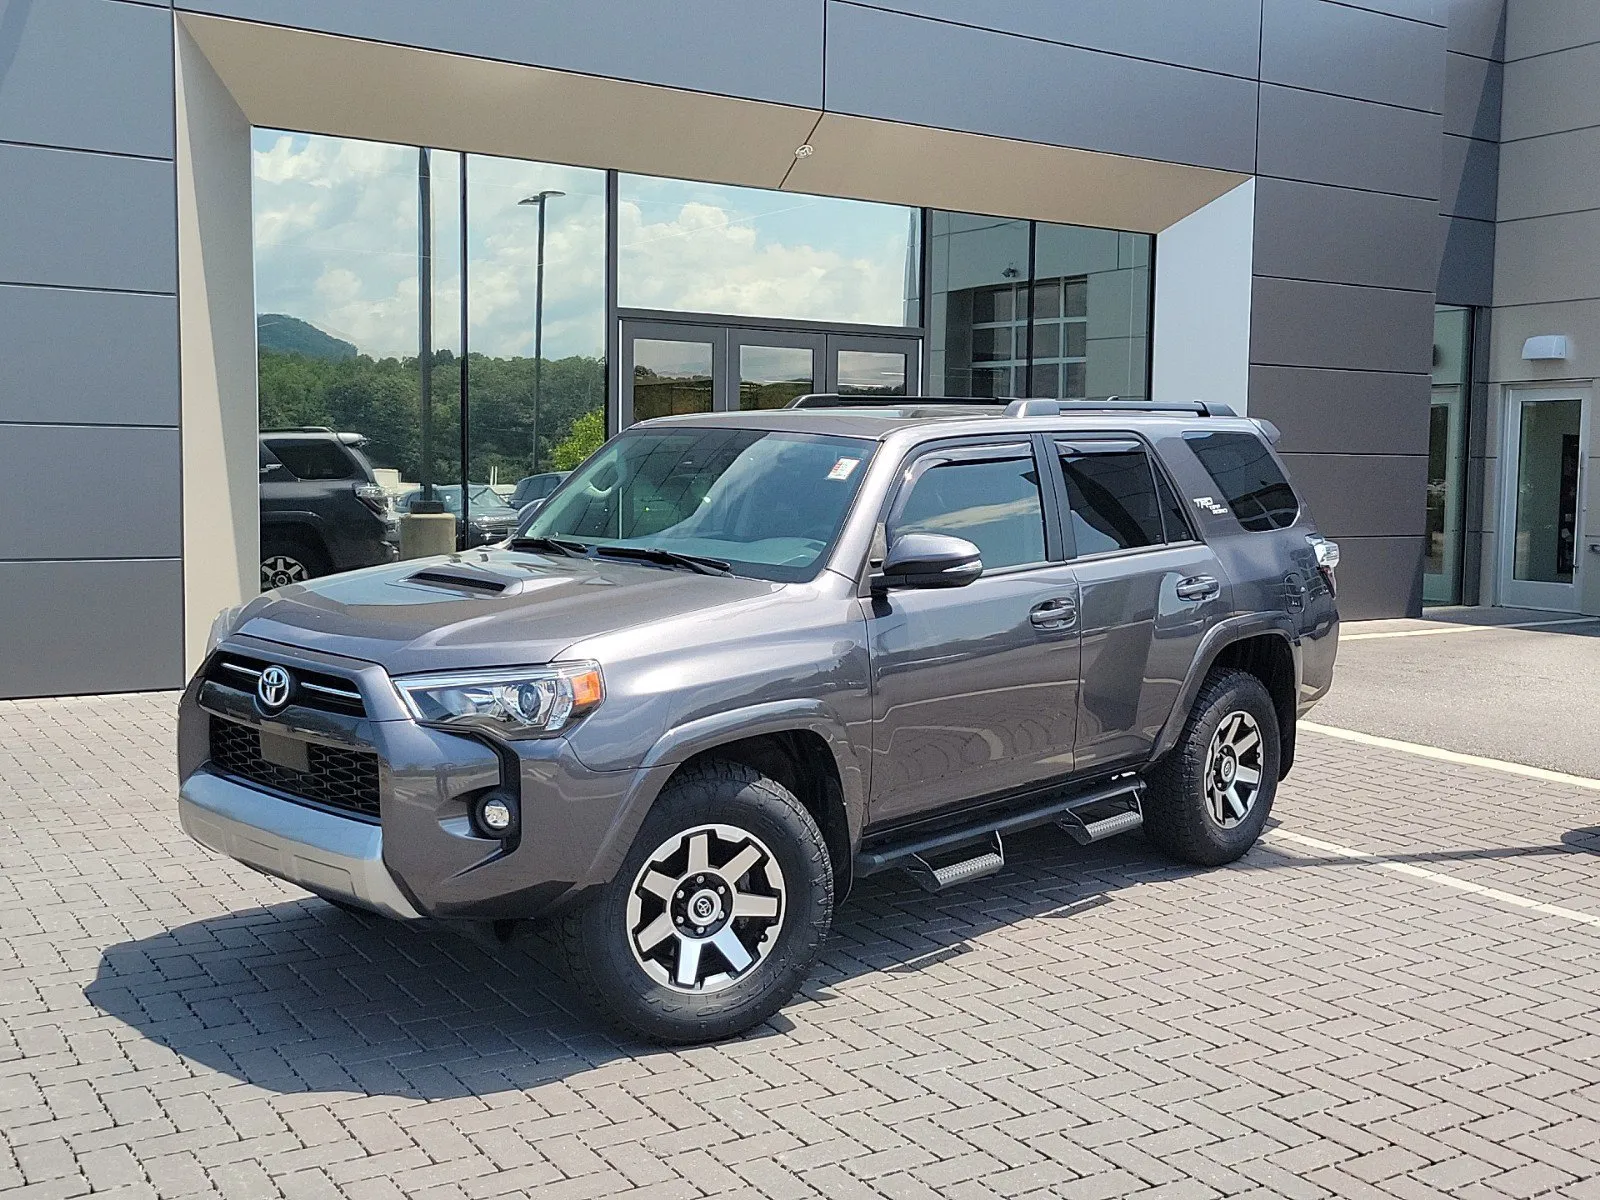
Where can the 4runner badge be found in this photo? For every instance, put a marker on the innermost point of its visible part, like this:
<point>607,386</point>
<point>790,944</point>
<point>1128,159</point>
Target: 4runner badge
<point>1210,504</point>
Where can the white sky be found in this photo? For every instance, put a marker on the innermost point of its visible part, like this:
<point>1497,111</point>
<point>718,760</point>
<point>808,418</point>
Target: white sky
<point>336,245</point>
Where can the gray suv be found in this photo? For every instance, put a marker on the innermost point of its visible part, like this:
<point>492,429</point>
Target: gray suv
<point>739,660</point>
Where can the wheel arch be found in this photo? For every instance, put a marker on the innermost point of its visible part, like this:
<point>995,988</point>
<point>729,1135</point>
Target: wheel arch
<point>1260,646</point>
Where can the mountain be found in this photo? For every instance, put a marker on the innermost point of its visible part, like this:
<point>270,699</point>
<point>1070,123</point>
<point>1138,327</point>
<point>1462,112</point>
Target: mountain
<point>291,335</point>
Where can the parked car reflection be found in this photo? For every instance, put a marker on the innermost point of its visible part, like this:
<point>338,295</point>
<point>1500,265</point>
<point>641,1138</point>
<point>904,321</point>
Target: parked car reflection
<point>489,518</point>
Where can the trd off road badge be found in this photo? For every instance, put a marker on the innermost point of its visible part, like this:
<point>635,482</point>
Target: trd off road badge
<point>1210,504</point>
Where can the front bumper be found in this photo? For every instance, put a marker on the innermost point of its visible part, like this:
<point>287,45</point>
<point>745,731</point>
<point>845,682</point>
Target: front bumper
<point>330,855</point>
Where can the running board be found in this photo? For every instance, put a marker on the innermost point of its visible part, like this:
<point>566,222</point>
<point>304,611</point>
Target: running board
<point>973,849</point>
<point>985,859</point>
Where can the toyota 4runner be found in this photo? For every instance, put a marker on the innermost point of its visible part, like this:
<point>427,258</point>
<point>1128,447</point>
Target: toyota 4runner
<point>739,660</point>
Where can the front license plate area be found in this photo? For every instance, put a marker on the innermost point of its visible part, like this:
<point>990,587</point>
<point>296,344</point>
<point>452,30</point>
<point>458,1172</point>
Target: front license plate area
<point>285,752</point>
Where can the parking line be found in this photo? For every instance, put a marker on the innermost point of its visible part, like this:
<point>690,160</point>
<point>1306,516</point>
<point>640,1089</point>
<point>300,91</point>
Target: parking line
<point>1439,877</point>
<point>1444,629</point>
<point>1454,756</point>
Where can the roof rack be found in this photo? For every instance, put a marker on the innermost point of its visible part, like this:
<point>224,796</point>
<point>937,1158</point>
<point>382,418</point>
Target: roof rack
<point>1015,407</point>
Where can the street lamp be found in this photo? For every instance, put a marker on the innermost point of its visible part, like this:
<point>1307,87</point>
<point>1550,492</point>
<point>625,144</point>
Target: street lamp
<point>538,315</point>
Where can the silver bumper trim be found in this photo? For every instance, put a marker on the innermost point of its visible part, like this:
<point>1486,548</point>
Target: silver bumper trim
<point>330,855</point>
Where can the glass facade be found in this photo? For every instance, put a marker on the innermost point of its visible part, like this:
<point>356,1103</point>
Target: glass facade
<point>1026,308</point>
<point>1447,455</point>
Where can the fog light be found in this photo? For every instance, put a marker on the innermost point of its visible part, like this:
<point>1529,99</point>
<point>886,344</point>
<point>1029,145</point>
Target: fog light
<point>495,816</point>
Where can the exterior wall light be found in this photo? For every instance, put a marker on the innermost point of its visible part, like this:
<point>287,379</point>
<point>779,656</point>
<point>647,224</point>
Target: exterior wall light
<point>1545,347</point>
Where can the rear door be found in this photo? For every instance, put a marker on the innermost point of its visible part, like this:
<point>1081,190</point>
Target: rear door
<point>974,688</point>
<point>1148,590</point>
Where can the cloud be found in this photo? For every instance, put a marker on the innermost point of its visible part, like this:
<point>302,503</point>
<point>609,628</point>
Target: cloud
<point>336,245</point>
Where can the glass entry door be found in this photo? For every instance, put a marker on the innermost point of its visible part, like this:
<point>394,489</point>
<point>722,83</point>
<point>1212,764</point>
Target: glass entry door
<point>1546,443</point>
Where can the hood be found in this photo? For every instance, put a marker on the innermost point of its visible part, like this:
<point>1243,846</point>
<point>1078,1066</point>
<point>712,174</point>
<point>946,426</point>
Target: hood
<point>486,608</point>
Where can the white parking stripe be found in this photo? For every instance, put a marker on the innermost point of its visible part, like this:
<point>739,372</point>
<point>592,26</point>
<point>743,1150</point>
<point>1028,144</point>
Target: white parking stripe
<point>1454,756</point>
<point>1439,877</point>
<point>1443,629</point>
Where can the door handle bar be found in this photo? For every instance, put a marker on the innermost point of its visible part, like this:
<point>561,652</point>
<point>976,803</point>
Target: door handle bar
<point>1198,587</point>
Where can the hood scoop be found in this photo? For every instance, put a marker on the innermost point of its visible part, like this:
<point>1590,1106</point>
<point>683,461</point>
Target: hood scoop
<point>465,581</point>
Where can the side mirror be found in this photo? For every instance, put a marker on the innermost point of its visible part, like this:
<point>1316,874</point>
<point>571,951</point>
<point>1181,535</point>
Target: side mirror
<point>929,560</point>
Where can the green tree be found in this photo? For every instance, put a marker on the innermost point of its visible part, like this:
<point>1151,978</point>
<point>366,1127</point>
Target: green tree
<point>587,435</point>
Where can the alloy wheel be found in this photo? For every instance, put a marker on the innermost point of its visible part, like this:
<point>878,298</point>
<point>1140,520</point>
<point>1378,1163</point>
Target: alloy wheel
<point>279,570</point>
<point>705,909</point>
<point>1234,764</point>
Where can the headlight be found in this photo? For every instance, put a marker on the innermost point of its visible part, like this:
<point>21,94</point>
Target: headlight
<point>527,703</point>
<point>224,623</point>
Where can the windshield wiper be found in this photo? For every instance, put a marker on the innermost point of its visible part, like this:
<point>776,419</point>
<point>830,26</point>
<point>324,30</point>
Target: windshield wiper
<point>557,545</point>
<point>667,558</point>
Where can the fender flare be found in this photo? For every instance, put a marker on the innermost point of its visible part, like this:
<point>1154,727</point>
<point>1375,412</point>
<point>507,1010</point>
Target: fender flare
<point>682,742</point>
<point>1218,638</point>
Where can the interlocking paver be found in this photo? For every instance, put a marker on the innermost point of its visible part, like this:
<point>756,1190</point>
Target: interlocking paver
<point>1087,1023</point>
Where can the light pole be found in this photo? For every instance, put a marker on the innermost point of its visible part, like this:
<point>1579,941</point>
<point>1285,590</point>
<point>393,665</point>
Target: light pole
<point>538,315</point>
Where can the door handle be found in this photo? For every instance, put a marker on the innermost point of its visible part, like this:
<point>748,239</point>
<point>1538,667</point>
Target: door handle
<point>1060,613</point>
<point>1198,587</point>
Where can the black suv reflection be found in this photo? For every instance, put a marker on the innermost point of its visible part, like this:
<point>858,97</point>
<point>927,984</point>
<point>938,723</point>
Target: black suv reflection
<point>322,508</point>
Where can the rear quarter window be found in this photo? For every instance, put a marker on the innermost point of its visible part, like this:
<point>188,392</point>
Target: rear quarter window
<point>1251,483</point>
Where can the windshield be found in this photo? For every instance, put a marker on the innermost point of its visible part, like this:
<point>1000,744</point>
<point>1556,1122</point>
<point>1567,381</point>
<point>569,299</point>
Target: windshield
<point>484,498</point>
<point>767,504</point>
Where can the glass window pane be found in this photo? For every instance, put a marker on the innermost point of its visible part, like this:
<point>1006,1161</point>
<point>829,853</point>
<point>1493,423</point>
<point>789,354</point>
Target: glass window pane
<point>771,376</point>
<point>1113,501</point>
<point>1249,479</point>
<point>697,247</point>
<point>536,376</point>
<point>1077,295</point>
<point>1046,381</point>
<point>670,378</point>
<point>1076,340</point>
<point>1047,299</point>
<point>991,344</point>
<point>326,459</point>
<point>1072,382</point>
<point>871,373</point>
<point>1451,327</point>
<point>1047,340</point>
<point>994,505</point>
<point>1547,490</point>
<point>1174,521</point>
<point>990,382</point>
<point>973,263</point>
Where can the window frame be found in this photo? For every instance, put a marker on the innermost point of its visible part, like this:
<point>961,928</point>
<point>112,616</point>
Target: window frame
<point>1124,441</point>
<point>973,449</point>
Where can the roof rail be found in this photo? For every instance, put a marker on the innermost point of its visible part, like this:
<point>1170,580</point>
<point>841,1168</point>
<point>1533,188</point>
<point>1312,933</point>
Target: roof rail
<point>1056,408</point>
<point>836,400</point>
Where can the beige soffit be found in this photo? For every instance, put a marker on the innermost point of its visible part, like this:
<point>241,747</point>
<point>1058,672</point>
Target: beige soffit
<point>967,172</point>
<point>292,79</point>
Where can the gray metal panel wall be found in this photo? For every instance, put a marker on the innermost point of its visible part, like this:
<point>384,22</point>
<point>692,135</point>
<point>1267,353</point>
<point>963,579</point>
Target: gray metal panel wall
<point>757,49</point>
<point>90,576</point>
<point>1346,260</point>
<point>1470,171</point>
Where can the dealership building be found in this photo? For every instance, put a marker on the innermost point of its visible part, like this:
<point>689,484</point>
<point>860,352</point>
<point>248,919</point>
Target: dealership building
<point>526,225</point>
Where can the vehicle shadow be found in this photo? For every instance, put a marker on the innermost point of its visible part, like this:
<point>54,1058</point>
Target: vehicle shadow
<point>303,996</point>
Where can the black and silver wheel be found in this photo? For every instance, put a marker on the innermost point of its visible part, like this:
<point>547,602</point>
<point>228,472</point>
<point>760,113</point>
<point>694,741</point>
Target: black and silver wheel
<point>716,915</point>
<point>286,560</point>
<point>1209,798</point>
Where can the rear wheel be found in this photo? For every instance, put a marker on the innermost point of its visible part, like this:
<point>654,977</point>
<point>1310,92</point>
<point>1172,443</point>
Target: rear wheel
<point>286,560</point>
<point>1209,798</point>
<point>716,915</point>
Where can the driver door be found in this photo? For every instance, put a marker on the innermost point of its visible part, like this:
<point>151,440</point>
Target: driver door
<point>975,689</point>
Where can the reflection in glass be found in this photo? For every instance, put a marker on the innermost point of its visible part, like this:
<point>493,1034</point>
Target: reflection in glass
<point>975,306</point>
<point>1447,438</point>
<point>708,248</point>
<point>670,378</point>
<point>771,376</point>
<point>1547,491</point>
<point>871,373</point>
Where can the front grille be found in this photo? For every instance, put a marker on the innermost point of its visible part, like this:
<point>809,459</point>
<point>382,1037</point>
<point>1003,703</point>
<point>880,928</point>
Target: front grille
<point>342,779</point>
<point>312,689</point>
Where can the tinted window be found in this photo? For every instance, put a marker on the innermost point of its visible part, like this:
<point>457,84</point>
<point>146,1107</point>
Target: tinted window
<point>994,505</point>
<point>317,460</point>
<point>769,504</point>
<point>1248,478</point>
<point>1113,501</point>
<point>1173,518</point>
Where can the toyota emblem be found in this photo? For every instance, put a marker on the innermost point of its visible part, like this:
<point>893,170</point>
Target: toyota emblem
<point>273,688</point>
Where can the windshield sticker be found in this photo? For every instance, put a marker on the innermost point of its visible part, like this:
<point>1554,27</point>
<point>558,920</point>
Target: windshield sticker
<point>844,468</point>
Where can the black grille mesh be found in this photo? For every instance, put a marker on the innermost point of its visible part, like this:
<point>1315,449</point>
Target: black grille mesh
<point>345,779</point>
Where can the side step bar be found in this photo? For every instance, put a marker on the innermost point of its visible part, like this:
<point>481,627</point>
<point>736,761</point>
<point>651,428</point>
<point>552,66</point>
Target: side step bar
<point>960,853</point>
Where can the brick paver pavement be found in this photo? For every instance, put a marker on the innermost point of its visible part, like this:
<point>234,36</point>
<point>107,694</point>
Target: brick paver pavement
<point>1087,1024</point>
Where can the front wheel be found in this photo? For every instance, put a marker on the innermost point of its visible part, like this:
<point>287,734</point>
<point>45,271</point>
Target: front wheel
<point>716,915</point>
<point>1209,798</point>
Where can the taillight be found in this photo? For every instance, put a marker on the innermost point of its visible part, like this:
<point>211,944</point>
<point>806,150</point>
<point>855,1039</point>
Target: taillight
<point>374,497</point>
<point>1327,558</point>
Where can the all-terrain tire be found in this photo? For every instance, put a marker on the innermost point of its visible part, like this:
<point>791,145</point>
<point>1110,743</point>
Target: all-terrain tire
<point>729,805</point>
<point>1185,792</point>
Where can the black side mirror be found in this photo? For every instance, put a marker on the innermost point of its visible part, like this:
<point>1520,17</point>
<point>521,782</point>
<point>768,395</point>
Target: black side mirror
<point>929,560</point>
